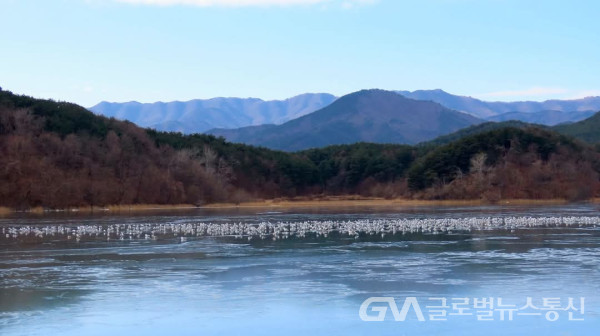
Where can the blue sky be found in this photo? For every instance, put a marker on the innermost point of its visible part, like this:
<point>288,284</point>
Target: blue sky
<point>86,51</point>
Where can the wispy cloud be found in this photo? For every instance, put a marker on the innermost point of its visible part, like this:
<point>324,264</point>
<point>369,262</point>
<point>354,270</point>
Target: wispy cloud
<point>583,94</point>
<point>534,91</point>
<point>247,3</point>
<point>349,4</point>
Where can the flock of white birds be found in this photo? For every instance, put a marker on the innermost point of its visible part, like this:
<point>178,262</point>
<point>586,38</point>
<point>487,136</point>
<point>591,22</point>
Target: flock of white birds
<point>284,230</point>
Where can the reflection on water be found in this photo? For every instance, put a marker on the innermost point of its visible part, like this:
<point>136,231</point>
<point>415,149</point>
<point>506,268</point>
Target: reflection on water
<point>228,286</point>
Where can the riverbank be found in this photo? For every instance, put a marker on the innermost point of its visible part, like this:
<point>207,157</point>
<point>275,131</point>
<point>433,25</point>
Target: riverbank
<point>104,209</point>
<point>295,203</point>
<point>331,202</point>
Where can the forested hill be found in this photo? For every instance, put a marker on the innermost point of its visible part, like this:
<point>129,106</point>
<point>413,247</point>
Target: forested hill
<point>57,155</point>
<point>477,129</point>
<point>587,130</point>
<point>528,163</point>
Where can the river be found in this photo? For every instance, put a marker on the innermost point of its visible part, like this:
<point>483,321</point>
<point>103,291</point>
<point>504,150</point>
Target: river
<point>516,270</point>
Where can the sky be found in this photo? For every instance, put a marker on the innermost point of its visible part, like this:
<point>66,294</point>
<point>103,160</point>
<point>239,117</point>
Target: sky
<point>87,51</point>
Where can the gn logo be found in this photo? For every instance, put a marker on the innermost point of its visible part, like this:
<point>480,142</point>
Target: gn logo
<point>380,305</point>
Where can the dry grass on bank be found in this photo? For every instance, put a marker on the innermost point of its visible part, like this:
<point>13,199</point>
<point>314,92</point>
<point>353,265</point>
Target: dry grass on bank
<point>299,202</point>
<point>145,207</point>
<point>107,209</point>
<point>349,201</point>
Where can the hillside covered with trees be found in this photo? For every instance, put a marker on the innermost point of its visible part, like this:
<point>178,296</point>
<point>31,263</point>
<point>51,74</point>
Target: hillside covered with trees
<point>587,130</point>
<point>58,155</point>
<point>508,163</point>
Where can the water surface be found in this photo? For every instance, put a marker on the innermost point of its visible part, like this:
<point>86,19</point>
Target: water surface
<point>293,286</point>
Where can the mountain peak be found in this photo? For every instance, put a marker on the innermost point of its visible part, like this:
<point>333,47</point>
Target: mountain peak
<point>372,115</point>
<point>374,93</point>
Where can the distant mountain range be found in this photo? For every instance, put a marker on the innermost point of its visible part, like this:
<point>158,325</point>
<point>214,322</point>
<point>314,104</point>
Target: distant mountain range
<point>376,116</point>
<point>483,109</point>
<point>320,119</point>
<point>548,118</point>
<point>200,115</point>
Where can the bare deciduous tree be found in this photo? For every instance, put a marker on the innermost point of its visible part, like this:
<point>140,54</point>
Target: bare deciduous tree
<point>478,164</point>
